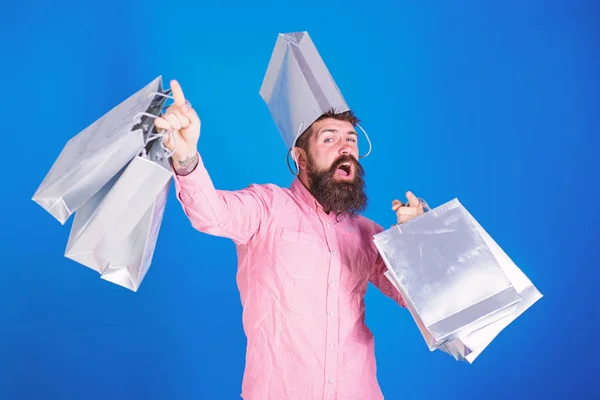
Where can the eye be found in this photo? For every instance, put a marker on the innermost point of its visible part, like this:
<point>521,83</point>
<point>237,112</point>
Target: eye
<point>351,139</point>
<point>328,140</point>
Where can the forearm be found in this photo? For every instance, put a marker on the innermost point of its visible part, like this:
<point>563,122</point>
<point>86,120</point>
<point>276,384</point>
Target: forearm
<point>232,214</point>
<point>184,165</point>
<point>197,194</point>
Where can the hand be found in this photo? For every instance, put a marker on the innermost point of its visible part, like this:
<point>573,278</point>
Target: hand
<point>183,121</point>
<point>406,213</point>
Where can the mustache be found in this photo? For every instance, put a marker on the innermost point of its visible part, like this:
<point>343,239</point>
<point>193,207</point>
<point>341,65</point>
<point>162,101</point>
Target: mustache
<point>344,159</point>
<point>342,197</point>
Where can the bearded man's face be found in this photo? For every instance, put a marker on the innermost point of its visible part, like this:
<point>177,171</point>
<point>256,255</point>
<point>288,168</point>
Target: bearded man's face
<point>335,177</point>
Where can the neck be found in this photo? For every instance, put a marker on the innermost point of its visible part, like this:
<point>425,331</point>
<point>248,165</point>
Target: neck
<point>303,178</point>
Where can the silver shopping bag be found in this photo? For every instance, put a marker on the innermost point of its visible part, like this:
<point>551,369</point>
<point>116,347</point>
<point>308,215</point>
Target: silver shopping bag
<point>93,156</point>
<point>298,88</point>
<point>115,231</point>
<point>451,280</point>
<point>468,346</point>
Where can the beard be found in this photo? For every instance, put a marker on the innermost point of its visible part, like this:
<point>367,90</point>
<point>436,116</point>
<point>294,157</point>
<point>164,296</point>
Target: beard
<point>342,197</point>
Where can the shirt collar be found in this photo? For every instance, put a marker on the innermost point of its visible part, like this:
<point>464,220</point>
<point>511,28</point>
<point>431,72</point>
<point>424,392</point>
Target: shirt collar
<point>303,194</point>
<point>307,198</point>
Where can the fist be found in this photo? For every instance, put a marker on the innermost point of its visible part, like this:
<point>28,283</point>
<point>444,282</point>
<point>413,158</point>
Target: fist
<point>180,119</point>
<point>412,209</point>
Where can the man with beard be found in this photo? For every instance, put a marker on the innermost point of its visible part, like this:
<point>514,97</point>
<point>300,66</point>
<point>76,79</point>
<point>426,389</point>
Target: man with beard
<point>305,254</point>
<point>305,257</point>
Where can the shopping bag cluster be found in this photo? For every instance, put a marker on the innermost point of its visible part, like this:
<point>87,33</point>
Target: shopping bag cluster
<point>460,287</point>
<point>114,176</point>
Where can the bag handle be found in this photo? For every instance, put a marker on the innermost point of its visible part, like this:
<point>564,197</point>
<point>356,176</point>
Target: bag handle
<point>287,157</point>
<point>426,208</point>
<point>162,134</point>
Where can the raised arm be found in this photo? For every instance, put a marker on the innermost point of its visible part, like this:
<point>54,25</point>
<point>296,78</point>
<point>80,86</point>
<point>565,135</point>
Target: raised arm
<point>233,214</point>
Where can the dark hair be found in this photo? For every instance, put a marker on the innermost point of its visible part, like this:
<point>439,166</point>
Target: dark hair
<point>304,138</point>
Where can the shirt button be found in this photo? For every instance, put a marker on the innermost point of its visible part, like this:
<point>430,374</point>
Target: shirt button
<point>334,252</point>
<point>332,381</point>
<point>331,346</point>
<point>331,313</point>
<point>332,283</point>
<point>328,225</point>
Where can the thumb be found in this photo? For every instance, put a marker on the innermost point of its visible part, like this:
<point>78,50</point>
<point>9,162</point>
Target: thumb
<point>412,199</point>
<point>192,115</point>
<point>168,141</point>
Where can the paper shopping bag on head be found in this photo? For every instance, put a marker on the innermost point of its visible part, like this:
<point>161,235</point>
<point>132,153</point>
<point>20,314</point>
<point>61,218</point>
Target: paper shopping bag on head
<point>298,88</point>
<point>115,231</point>
<point>452,281</point>
<point>92,157</point>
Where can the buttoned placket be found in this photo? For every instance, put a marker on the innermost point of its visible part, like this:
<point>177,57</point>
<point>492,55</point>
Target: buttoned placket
<point>332,306</point>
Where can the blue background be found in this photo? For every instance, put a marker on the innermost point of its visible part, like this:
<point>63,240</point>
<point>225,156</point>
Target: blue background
<point>496,103</point>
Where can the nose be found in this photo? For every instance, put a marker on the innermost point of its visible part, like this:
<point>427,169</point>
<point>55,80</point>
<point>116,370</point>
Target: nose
<point>346,149</point>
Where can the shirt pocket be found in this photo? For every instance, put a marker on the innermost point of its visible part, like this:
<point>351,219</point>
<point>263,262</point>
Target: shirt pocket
<point>298,254</point>
<point>299,237</point>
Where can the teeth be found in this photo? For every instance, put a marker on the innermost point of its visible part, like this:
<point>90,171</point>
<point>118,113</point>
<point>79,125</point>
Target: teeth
<point>346,167</point>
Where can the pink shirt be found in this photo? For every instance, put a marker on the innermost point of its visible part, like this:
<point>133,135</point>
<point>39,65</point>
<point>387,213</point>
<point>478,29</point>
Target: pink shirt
<point>302,278</point>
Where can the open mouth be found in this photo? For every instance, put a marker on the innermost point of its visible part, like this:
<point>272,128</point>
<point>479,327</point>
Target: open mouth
<point>344,169</point>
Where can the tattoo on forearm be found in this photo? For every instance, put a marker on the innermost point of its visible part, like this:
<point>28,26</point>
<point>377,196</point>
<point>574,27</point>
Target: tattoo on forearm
<point>186,166</point>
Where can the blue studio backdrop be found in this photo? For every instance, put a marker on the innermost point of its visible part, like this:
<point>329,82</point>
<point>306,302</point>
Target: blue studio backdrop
<point>496,103</point>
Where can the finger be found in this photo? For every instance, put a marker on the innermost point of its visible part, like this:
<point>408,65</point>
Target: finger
<point>168,141</point>
<point>173,121</point>
<point>178,96</point>
<point>404,218</point>
<point>162,123</point>
<point>183,121</point>
<point>192,116</point>
<point>412,200</point>
<point>396,204</point>
<point>406,212</point>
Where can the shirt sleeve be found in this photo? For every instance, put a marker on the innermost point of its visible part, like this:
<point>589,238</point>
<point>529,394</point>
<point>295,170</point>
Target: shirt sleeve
<point>236,215</point>
<point>378,278</point>
<point>381,282</point>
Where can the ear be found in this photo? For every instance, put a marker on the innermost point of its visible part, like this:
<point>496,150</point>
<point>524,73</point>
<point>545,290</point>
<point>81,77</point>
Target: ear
<point>299,155</point>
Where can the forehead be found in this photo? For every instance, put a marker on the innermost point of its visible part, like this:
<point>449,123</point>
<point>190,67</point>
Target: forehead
<point>333,125</point>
